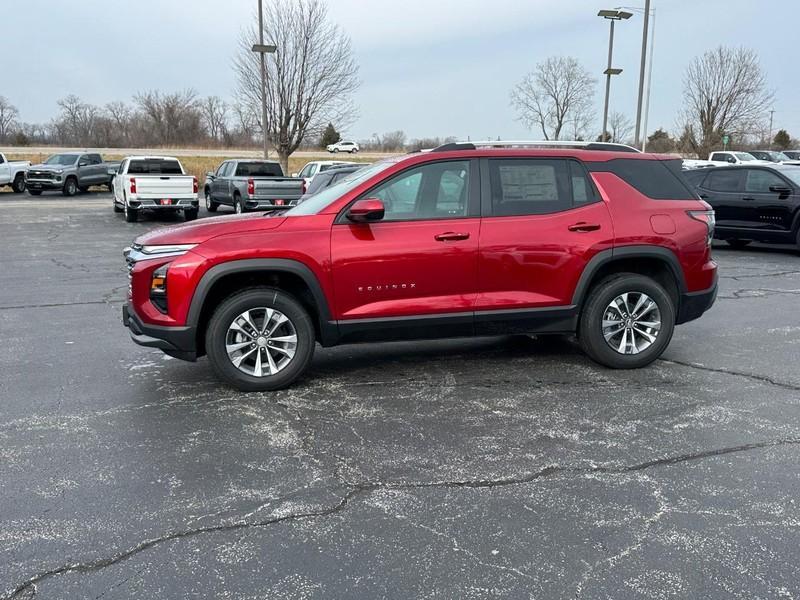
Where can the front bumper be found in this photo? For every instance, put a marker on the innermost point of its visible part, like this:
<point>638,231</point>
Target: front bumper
<point>43,184</point>
<point>178,342</point>
<point>694,304</point>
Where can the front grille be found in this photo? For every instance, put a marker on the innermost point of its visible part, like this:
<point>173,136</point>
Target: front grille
<point>40,175</point>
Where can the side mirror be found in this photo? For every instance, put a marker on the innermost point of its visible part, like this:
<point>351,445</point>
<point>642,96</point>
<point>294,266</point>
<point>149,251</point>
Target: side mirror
<point>782,191</point>
<point>82,163</point>
<point>294,174</point>
<point>368,209</point>
<point>731,160</point>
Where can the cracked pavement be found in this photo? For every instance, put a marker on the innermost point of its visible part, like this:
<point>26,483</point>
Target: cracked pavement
<point>504,467</point>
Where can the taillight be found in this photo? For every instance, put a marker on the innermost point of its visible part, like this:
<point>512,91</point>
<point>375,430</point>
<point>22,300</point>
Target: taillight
<point>251,187</point>
<point>707,217</point>
<point>133,185</point>
<point>194,184</point>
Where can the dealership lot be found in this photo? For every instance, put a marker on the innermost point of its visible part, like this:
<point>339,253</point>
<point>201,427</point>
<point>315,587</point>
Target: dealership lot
<point>496,467</point>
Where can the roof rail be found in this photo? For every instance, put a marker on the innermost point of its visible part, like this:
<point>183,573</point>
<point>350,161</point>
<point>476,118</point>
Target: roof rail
<point>609,146</point>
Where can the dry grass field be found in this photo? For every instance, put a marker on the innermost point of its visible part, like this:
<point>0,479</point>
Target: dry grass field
<point>200,165</point>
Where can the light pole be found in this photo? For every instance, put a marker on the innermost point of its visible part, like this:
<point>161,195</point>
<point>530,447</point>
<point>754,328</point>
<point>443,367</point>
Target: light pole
<point>263,50</point>
<point>641,72</point>
<point>611,15</point>
<point>641,133</point>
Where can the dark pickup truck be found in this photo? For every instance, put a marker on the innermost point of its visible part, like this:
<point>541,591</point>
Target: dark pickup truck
<point>247,184</point>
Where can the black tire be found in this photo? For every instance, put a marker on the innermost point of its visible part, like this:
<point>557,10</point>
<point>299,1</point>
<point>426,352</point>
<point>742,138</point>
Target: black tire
<point>354,151</point>
<point>238,206</point>
<point>738,244</point>
<point>255,298</point>
<point>35,192</point>
<point>18,186</point>
<point>590,332</point>
<point>70,187</point>
<point>336,151</point>
<point>117,207</point>
<point>211,206</point>
<point>131,215</point>
<point>190,214</point>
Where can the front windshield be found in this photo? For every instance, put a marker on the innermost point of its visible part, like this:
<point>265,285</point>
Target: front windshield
<point>321,200</point>
<point>61,159</point>
<point>743,156</point>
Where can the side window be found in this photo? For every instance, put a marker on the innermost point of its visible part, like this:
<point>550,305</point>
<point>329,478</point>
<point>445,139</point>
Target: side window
<point>312,169</point>
<point>718,156</point>
<point>121,168</point>
<point>304,172</point>
<point>582,190</point>
<point>437,190</point>
<point>529,186</point>
<point>2,160</point>
<point>94,159</point>
<point>760,180</point>
<point>725,180</point>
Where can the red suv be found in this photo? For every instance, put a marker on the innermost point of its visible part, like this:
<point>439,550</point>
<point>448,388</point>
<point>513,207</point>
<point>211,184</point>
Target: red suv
<point>464,240</point>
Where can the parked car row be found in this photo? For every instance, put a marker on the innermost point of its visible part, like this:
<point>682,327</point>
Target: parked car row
<point>723,158</point>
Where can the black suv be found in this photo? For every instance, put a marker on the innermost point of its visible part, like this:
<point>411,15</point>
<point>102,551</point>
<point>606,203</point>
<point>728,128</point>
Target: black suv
<point>752,203</point>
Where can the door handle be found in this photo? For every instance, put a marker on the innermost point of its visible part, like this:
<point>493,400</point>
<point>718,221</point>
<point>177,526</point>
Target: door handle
<point>748,198</point>
<point>451,236</point>
<point>584,227</point>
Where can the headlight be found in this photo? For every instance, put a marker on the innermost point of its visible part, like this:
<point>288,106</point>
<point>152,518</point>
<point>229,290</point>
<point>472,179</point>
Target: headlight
<point>167,250</point>
<point>158,288</point>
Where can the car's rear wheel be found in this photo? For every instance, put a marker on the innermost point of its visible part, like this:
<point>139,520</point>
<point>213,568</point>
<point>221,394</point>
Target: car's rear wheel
<point>354,151</point>
<point>70,187</point>
<point>211,206</point>
<point>117,207</point>
<point>131,215</point>
<point>19,184</point>
<point>238,205</point>
<point>260,339</point>
<point>738,244</point>
<point>627,321</point>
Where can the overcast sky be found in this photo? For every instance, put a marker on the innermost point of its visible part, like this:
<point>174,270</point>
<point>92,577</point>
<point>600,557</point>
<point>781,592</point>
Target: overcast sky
<point>429,67</point>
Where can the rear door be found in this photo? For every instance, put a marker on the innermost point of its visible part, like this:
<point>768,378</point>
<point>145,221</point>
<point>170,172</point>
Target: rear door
<point>723,190</point>
<point>773,209</point>
<point>543,221</point>
<point>421,259</point>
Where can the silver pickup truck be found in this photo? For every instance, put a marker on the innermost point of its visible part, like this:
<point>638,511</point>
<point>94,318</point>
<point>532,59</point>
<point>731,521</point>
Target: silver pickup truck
<point>69,172</point>
<point>247,184</point>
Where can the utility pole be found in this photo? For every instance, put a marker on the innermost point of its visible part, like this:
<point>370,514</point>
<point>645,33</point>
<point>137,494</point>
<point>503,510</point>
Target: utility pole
<point>771,113</point>
<point>641,73</point>
<point>649,82</point>
<point>263,50</point>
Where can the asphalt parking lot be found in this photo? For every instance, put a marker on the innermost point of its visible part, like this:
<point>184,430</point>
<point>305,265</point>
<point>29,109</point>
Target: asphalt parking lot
<point>503,467</point>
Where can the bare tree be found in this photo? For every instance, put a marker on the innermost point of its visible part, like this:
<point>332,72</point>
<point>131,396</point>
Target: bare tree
<point>8,117</point>
<point>215,116</point>
<point>173,118</point>
<point>725,92</point>
<point>620,127</point>
<point>393,141</point>
<point>310,79</point>
<point>122,117</point>
<point>77,121</point>
<point>557,92</point>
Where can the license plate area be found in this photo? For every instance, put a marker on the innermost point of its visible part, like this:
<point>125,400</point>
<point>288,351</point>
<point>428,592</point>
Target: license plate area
<point>165,202</point>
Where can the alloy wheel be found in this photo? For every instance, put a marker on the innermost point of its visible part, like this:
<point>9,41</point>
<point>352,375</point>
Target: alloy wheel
<point>631,323</point>
<point>261,342</point>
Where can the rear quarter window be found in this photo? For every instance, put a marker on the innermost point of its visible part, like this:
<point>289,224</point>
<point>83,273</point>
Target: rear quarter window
<point>656,179</point>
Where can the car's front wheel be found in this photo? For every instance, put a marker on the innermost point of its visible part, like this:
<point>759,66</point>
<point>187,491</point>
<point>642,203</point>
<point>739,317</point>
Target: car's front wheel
<point>70,187</point>
<point>260,339</point>
<point>19,184</point>
<point>211,206</point>
<point>627,321</point>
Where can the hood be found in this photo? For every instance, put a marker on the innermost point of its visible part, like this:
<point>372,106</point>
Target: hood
<point>197,232</point>
<point>44,167</point>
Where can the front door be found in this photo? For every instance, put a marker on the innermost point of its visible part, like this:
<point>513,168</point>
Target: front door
<point>773,201</point>
<point>543,221</point>
<point>420,260</point>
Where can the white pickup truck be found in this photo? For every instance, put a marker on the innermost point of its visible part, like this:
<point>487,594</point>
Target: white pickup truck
<point>13,173</point>
<point>733,158</point>
<point>154,183</point>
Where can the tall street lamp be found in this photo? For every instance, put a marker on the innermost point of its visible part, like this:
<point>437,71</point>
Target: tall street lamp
<point>611,15</point>
<point>263,50</point>
<point>641,131</point>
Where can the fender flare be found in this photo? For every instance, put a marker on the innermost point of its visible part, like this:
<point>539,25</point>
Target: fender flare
<point>329,331</point>
<point>622,252</point>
